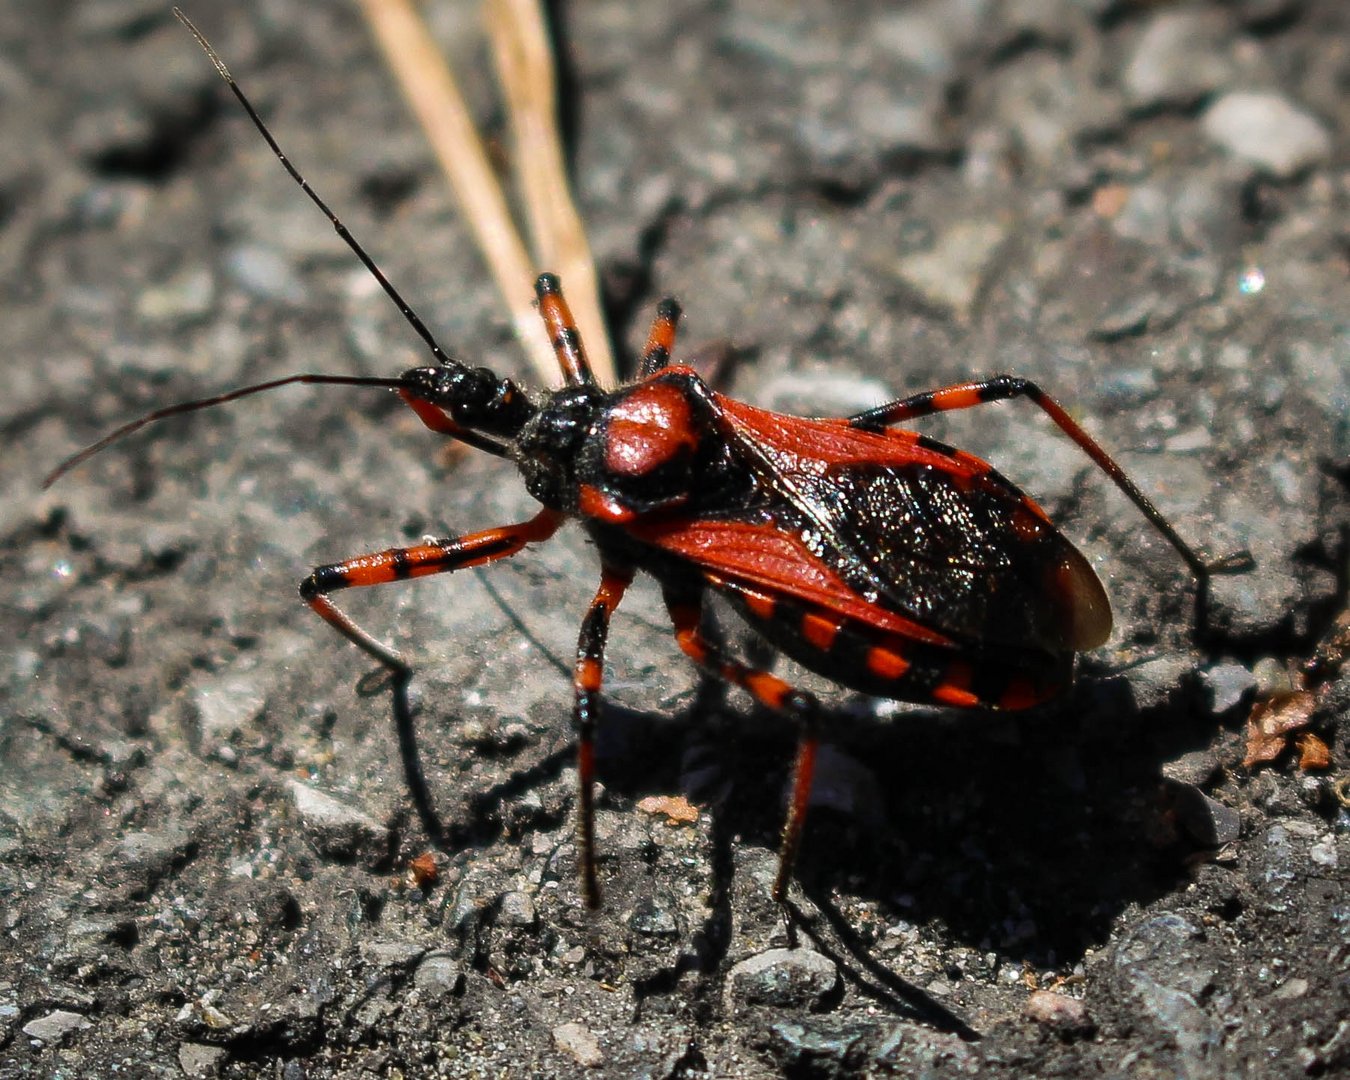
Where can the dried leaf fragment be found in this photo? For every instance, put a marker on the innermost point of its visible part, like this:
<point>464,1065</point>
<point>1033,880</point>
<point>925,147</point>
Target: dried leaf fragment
<point>423,871</point>
<point>1272,721</point>
<point>1313,753</point>
<point>677,809</point>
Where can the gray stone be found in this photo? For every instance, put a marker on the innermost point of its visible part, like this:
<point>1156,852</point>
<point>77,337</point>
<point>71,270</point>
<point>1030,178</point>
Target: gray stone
<point>1156,682</point>
<point>1197,767</point>
<point>338,830</point>
<point>1160,949</point>
<point>1266,130</point>
<point>188,295</point>
<point>1058,1011</point>
<point>517,909</point>
<point>1227,685</point>
<point>438,975</point>
<point>1179,58</point>
<point>784,978</point>
<point>819,1048</point>
<point>578,1041</point>
<point>201,1060</point>
<point>143,859</point>
<point>951,273</point>
<point>654,918</point>
<point>265,273</point>
<point>56,1026</point>
<point>1206,821</point>
<point>394,955</point>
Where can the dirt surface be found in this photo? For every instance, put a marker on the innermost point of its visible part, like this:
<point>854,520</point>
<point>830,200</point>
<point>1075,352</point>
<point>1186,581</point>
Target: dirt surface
<point>208,847</point>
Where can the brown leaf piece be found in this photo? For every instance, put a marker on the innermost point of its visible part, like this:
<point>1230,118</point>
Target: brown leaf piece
<point>1313,753</point>
<point>677,809</point>
<point>1272,721</point>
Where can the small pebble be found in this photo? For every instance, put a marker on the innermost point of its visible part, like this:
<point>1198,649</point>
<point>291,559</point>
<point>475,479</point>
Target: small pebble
<point>55,1026</point>
<point>785,978</point>
<point>438,975</point>
<point>517,909</point>
<point>1058,1011</point>
<point>265,274</point>
<point>577,1040</point>
<point>337,830</point>
<point>1268,132</point>
<point>1323,853</point>
<point>201,1060</point>
<point>1180,57</point>
<point>1228,685</point>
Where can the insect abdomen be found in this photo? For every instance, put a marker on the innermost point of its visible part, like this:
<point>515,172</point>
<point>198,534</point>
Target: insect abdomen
<point>892,665</point>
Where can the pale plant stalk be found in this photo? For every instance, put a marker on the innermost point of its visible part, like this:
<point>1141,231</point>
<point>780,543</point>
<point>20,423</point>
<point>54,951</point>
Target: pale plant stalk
<point>430,87</point>
<point>525,68</point>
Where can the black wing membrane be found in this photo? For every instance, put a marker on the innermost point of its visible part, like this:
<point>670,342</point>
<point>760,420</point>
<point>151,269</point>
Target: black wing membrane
<point>932,533</point>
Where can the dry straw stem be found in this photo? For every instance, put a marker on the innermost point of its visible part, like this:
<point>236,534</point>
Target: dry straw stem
<point>431,90</point>
<point>524,56</point>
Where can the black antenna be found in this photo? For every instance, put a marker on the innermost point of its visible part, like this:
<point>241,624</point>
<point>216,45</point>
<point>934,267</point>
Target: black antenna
<point>413,319</point>
<point>206,403</point>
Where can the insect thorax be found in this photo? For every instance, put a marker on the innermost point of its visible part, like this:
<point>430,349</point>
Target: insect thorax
<point>645,449</point>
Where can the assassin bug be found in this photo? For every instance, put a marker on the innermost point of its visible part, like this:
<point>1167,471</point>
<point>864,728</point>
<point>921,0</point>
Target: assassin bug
<point>883,559</point>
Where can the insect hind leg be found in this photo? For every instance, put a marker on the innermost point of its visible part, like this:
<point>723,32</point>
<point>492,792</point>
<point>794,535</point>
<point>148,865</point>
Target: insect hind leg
<point>686,612</point>
<point>1003,387</point>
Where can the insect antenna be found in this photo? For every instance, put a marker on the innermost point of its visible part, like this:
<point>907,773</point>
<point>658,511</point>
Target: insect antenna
<point>206,403</point>
<point>405,309</point>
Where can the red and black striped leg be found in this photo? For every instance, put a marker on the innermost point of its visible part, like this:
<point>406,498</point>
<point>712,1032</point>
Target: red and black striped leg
<point>660,346</point>
<point>396,564</point>
<point>562,331</point>
<point>686,611</point>
<point>399,564</point>
<point>1001,388</point>
<point>587,677</point>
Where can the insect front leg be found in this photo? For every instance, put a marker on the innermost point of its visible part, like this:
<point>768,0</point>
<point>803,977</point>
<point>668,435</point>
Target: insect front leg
<point>686,612</point>
<point>398,564</point>
<point>587,677</point>
<point>421,560</point>
<point>1002,387</point>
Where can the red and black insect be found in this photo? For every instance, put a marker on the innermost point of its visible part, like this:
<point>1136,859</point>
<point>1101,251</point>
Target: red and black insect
<point>880,558</point>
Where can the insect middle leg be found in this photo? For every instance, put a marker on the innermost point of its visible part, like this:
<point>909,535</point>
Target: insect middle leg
<point>686,612</point>
<point>1002,387</point>
<point>587,677</point>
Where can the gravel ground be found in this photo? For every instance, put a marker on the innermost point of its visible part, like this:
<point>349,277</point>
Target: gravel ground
<point>210,862</point>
